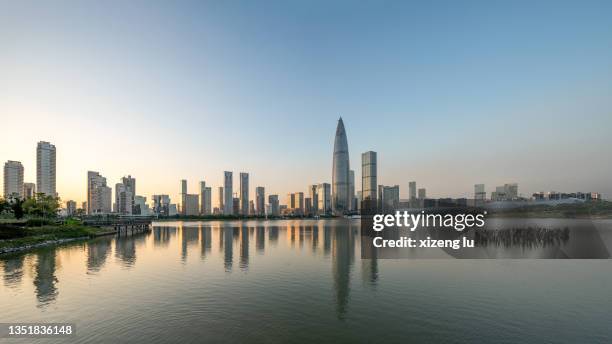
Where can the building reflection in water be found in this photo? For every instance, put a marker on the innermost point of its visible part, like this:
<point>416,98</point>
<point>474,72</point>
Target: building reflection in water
<point>273,235</point>
<point>342,262</point>
<point>244,248</point>
<point>338,244</point>
<point>260,240</point>
<point>163,235</point>
<point>227,248</point>
<point>97,252</point>
<point>13,271</point>
<point>45,280</point>
<point>205,241</point>
<point>125,248</point>
<point>189,236</point>
<point>326,240</point>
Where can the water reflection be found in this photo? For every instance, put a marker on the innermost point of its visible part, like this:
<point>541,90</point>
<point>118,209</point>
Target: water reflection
<point>45,280</point>
<point>334,245</point>
<point>343,259</point>
<point>206,241</point>
<point>244,249</point>
<point>97,252</point>
<point>13,271</point>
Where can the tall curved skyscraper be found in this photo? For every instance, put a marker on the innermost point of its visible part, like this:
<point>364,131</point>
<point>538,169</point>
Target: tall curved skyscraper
<point>340,172</point>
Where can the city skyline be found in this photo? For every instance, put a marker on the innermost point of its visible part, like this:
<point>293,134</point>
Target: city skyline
<point>259,91</point>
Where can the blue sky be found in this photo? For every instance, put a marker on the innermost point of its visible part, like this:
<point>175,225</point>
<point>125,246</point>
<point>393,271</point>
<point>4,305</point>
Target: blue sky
<point>449,93</point>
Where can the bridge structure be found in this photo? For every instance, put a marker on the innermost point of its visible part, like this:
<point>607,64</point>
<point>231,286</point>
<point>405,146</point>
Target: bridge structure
<point>120,224</point>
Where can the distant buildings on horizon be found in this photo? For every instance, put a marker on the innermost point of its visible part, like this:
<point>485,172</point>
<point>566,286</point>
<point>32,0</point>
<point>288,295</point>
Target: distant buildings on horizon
<point>323,199</point>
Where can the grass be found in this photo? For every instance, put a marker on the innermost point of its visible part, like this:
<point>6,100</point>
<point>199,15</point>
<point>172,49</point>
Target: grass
<point>37,235</point>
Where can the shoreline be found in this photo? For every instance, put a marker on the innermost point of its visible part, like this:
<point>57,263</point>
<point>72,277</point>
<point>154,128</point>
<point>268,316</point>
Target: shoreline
<point>26,247</point>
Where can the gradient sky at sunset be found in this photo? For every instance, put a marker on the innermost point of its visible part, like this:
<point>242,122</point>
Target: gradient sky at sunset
<point>449,93</point>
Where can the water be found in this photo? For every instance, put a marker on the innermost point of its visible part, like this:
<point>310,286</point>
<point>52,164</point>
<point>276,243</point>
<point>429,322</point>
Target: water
<point>297,282</point>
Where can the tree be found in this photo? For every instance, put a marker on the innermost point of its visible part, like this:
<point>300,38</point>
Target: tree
<point>42,205</point>
<point>16,206</point>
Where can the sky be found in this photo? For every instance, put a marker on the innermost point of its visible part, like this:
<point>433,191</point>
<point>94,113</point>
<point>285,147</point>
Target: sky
<point>449,93</point>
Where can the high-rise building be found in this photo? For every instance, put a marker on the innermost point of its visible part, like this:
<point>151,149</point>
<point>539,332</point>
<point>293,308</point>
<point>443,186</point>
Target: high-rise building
<point>340,172</point>
<point>99,195</point>
<point>260,200</point>
<point>274,205</point>
<point>480,194</point>
<point>45,168</point>
<point>251,208</point>
<point>506,192</point>
<point>191,207</point>
<point>352,190</point>
<point>161,205</point>
<point>124,199</point>
<point>202,198</point>
<point>244,193</point>
<point>308,206</point>
<point>368,178</point>
<point>235,205</point>
<point>13,179</point>
<point>422,194</point>
<point>221,195</point>
<point>228,199</point>
<point>207,201</point>
<point>299,203</point>
<point>324,193</point>
<point>291,201</point>
<point>140,206</point>
<point>314,197</point>
<point>183,196</point>
<point>412,191</point>
<point>29,190</point>
<point>390,198</point>
<point>70,208</point>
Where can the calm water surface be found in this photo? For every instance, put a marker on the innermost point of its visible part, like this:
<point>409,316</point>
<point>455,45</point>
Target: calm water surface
<point>297,281</point>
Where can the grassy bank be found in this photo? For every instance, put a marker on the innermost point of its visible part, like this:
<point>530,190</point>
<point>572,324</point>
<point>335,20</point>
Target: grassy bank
<point>28,237</point>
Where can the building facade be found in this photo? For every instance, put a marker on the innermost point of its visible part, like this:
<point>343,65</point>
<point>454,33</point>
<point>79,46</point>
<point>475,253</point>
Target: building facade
<point>368,177</point>
<point>45,168</point>
<point>99,195</point>
<point>13,180</point>
<point>340,172</point>
<point>260,200</point>
<point>244,193</point>
<point>228,198</point>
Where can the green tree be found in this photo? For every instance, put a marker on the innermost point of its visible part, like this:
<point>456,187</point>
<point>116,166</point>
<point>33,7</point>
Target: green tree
<point>42,205</point>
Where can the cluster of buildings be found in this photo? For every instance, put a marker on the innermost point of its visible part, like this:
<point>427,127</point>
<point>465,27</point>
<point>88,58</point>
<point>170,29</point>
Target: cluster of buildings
<point>322,199</point>
<point>14,185</point>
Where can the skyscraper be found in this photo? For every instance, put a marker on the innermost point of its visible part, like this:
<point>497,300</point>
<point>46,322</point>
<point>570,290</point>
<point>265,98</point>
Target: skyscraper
<point>340,172</point>
<point>29,190</point>
<point>324,194</point>
<point>221,199</point>
<point>412,191</point>
<point>479,194</point>
<point>45,168</point>
<point>13,179</point>
<point>130,186</point>
<point>207,201</point>
<point>244,193</point>
<point>422,193</point>
<point>314,198</point>
<point>260,200</point>
<point>124,199</point>
<point>274,205</point>
<point>99,196</point>
<point>202,197</point>
<point>368,180</point>
<point>228,193</point>
<point>351,190</point>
